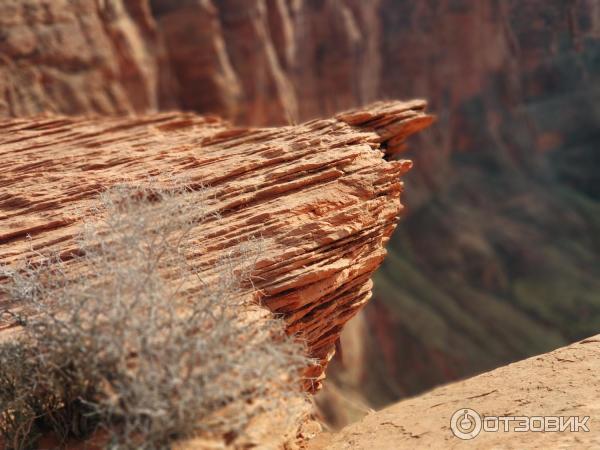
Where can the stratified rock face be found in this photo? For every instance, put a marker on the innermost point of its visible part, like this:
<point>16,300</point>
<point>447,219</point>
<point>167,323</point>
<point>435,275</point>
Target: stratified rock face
<point>321,196</point>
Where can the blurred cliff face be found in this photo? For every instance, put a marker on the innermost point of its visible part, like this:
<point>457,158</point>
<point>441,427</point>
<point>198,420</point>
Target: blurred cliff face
<point>497,258</point>
<point>270,62</point>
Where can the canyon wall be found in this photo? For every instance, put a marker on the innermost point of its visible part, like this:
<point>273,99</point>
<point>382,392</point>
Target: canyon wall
<point>79,56</point>
<point>271,62</point>
<point>497,258</point>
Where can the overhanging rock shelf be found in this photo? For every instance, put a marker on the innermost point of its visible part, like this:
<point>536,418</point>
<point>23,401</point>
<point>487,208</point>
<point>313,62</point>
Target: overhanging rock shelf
<point>322,195</point>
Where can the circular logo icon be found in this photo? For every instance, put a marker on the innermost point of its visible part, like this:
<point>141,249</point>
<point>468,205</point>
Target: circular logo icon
<point>465,424</point>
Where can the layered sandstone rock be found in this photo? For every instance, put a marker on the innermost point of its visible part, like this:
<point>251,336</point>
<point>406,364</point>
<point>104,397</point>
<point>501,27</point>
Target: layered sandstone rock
<point>501,236</point>
<point>322,196</point>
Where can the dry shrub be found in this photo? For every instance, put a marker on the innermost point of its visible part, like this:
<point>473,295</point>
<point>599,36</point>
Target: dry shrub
<point>125,344</point>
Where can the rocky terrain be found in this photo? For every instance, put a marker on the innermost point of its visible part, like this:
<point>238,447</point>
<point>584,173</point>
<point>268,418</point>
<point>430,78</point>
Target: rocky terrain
<point>321,196</point>
<point>497,257</point>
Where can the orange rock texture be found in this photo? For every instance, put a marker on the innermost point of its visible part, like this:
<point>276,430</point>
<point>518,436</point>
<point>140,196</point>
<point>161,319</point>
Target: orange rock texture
<point>265,62</point>
<point>503,200</point>
<point>271,61</point>
<point>78,56</point>
<point>323,196</point>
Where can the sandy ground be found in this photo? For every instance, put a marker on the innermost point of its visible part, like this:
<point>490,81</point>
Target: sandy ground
<point>565,382</point>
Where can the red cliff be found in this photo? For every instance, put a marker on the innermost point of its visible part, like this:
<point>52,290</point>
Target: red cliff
<point>497,258</point>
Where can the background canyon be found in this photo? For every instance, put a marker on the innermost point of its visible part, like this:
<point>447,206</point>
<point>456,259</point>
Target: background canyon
<point>497,257</point>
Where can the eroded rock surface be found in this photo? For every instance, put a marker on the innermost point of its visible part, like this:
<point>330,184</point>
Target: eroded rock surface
<point>498,256</point>
<point>321,195</point>
<point>264,62</point>
<point>78,56</point>
<point>560,383</point>
<point>271,62</point>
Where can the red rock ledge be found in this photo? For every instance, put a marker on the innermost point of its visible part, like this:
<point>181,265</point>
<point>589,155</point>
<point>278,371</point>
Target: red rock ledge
<point>322,195</point>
